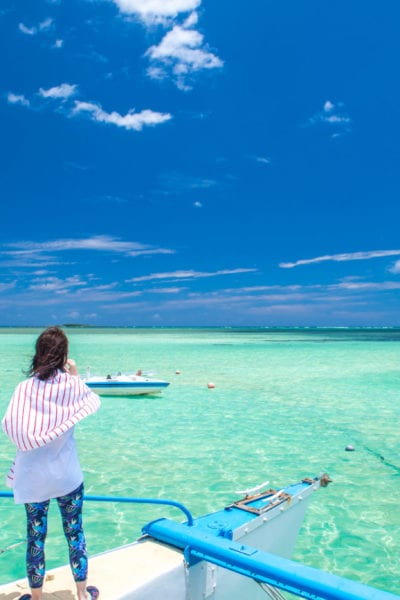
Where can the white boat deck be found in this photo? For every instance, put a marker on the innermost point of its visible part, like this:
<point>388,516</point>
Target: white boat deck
<point>116,573</point>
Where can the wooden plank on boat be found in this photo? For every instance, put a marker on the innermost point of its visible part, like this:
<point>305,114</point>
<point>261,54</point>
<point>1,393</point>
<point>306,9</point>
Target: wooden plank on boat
<point>116,573</point>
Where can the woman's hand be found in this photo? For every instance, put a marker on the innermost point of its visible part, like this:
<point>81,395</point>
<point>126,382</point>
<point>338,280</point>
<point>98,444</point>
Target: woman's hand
<point>71,367</point>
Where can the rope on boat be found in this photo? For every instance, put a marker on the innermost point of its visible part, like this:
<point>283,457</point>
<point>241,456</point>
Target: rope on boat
<point>130,500</point>
<point>271,592</point>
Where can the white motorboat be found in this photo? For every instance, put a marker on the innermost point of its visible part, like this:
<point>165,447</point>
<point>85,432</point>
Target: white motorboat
<point>125,385</point>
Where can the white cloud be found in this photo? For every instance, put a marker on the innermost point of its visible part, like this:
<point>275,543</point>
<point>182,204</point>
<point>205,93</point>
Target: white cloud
<point>263,159</point>
<point>341,257</point>
<point>395,268</point>
<point>43,26</point>
<point>5,287</point>
<point>46,24</point>
<point>27,30</point>
<point>177,182</point>
<point>131,120</point>
<point>101,243</point>
<point>58,44</point>
<point>180,53</point>
<point>184,46</point>
<point>156,73</point>
<point>190,274</point>
<point>156,10</point>
<point>55,284</point>
<point>63,91</point>
<point>197,204</point>
<point>328,106</point>
<point>17,99</point>
<point>191,20</point>
<point>366,285</point>
<point>167,290</point>
<point>333,114</point>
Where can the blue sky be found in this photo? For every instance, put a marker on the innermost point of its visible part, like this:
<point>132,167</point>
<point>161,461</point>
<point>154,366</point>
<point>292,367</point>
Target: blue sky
<point>198,162</point>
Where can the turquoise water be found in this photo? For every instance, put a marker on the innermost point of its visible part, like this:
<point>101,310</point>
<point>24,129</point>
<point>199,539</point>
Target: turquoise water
<point>286,403</point>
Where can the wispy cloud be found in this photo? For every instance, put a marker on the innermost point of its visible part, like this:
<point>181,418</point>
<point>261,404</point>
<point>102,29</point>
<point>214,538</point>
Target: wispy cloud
<point>282,304</point>
<point>5,287</point>
<point>190,274</point>
<point>334,115</point>
<point>101,243</point>
<point>395,268</point>
<point>59,92</point>
<point>46,24</point>
<point>265,298</point>
<point>180,183</point>
<point>57,285</point>
<point>181,53</point>
<point>67,292</point>
<point>17,99</point>
<point>62,93</point>
<point>34,30</point>
<point>262,159</point>
<point>166,290</point>
<point>132,120</point>
<point>72,166</point>
<point>341,257</point>
<point>362,286</point>
<point>27,30</point>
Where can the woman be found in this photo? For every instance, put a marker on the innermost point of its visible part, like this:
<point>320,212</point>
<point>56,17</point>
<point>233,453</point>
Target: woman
<point>40,421</point>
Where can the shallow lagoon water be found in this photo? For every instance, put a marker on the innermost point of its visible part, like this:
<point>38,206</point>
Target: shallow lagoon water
<point>286,403</point>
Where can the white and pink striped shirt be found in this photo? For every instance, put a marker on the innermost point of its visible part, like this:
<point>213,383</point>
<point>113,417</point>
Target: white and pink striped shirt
<point>40,420</point>
<point>41,411</point>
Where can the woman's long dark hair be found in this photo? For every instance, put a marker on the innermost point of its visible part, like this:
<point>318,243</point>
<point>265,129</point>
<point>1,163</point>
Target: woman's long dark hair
<point>51,353</point>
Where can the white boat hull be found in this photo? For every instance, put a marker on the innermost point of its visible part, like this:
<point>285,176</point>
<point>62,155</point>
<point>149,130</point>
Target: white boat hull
<point>150,570</point>
<point>125,385</point>
<point>215,557</point>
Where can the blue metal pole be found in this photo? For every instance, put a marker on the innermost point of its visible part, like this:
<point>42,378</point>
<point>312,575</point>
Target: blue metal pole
<point>144,501</point>
<point>279,572</point>
<point>6,495</point>
<point>131,501</point>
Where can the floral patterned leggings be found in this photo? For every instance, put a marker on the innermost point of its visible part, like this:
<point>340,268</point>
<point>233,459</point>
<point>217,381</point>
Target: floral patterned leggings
<point>71,513</point>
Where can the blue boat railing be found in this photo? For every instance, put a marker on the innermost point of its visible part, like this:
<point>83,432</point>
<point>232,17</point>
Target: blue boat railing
<point>265,568</point>
<point>129,500</point>
<point>282,573</point>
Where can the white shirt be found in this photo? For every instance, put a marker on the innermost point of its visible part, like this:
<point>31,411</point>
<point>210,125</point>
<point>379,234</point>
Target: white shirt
<point>47,472</point>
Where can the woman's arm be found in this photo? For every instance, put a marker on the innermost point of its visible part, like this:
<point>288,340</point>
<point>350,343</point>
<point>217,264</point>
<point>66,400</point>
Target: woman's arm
<point>71,367</point>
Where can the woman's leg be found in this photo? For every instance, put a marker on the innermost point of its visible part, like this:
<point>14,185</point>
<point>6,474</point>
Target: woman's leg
<point>36,514</point>
<point>71,513</point>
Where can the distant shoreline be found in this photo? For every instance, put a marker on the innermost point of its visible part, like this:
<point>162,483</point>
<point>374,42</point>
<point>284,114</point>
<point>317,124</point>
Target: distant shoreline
<point>287,328</point>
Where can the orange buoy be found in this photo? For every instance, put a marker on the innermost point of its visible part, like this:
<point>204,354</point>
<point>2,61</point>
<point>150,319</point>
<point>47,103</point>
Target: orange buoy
<point>210,385</point>
<point>177,372</point>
